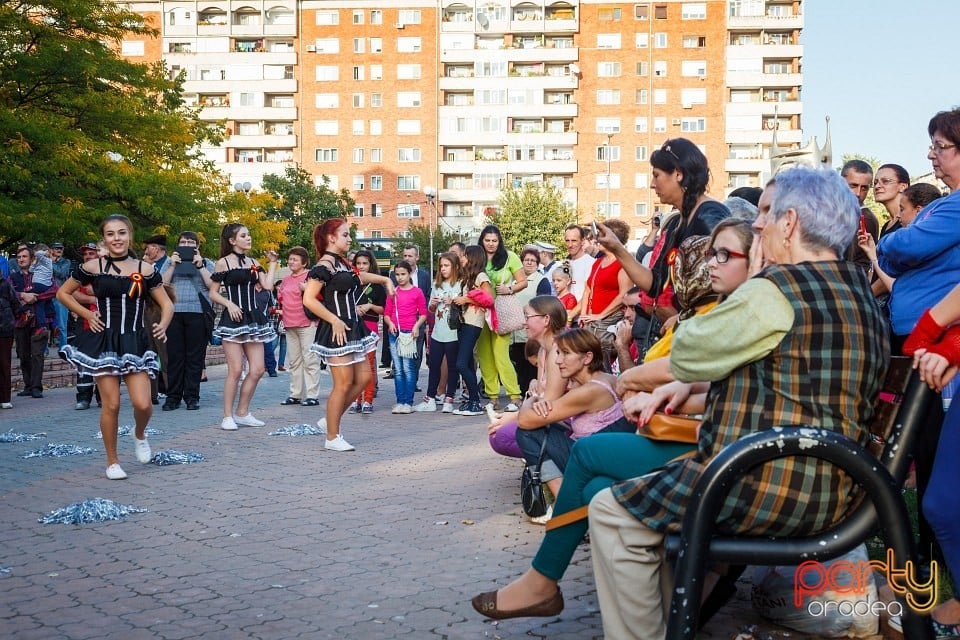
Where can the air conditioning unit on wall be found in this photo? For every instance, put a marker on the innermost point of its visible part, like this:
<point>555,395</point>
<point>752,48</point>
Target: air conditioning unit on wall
<point>312,48</point>
<point>399,25</point>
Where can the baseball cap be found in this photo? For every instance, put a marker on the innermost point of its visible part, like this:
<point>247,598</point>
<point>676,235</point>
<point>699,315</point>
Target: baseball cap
<point>545,246</point>
<point>56,245</point>
<point>92,246</point>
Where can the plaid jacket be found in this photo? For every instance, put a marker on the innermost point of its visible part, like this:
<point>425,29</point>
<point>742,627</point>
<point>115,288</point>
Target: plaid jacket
<point>826,372</point>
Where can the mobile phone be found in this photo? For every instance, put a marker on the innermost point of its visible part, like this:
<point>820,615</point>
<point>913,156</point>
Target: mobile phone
<point>863,224</point>
<point>186,253</point>
<point>593,225</point>
<point>491,414</point>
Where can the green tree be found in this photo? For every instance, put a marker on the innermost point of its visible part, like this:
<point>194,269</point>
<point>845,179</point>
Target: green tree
<point>419,235</point>
<point>85,133</point>
<point>531,213</point>
<point>878,209</point>
<point>302,204</point>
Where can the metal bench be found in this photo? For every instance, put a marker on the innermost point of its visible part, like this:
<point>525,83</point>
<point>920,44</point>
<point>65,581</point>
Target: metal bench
<point>879,472</point>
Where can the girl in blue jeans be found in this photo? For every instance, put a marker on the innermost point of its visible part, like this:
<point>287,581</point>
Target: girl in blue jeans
<point>477,297</point>
<point>404,313</point>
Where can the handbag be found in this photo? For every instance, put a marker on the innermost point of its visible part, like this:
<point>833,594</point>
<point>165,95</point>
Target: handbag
<point>532,497</point>
<point>454,316</point>
<point>671,428</point>
<point>406,343</point>
<point>509,314</point>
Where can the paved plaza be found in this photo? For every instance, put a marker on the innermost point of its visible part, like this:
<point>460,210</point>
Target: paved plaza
<point>272,537</point>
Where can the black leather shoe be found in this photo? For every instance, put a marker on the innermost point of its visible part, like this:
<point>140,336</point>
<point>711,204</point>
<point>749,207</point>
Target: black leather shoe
<point>26,393</point>
<point>36,393</point>
<point>193,405</point>
<point>155,400</point>
<point>82,405</point>
<point>171,405</point>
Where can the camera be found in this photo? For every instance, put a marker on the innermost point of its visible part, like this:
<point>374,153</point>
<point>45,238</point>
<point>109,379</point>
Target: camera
<point>656,220</point>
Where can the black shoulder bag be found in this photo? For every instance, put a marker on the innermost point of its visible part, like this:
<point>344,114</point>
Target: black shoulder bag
<point>532,498</point>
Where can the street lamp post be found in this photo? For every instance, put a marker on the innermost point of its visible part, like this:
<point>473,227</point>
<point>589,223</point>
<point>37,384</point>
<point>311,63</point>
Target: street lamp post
<point>431,194</point>
<point>606,208</point>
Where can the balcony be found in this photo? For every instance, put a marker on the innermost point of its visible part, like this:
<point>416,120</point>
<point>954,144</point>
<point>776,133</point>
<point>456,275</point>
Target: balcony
<point>248,113</point>
<point>746,165</point>
<point>754,136</point>
<point>775,23</point>
<point>759,80</point>
<point>250,86</point>
<point>252,171</point>
<point>262,141</point>
<point>765,108</point>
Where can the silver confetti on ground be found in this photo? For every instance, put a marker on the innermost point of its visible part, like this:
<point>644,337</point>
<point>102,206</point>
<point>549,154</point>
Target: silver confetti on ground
<point>58,451</point>
<point>126,430</point>
<point>170,456</point>
<point>4,569</point>
<point>298,430</point>
<point>93,510</point>
<point>12,436</point>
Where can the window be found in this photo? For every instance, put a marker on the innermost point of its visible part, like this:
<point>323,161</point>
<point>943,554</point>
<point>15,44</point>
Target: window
<point>608,14</point>
<point>376,235</point>
<point>376,155</point>
<point>328,18</point>
<point>376,211</point>
<point>327,100</point>
<point>642,69</point>
<point>408,183</point>
<point>408,154</point>
<point>326,127</point>
<point>693,11</point>
<point>408,72</point>
<point>328,73</point>
<point>640,125</point>
<point>376,45</point>
<point>660,40</point>
<point>408,127</point>
<point>608,41</point>
<point>608,209</point>
<point>641,11</point>
<point>131,48</point>
<point>408,99</point>
<point>327,155</point>
<point>409,45</point>
<point>328,45</point>
<point>357,183</point>
<point>248,128</point>
<point>694,42</point>
<point>690,97</point>
<point>376,127</point>
<point>248,100</point>
<point>358,213</point>
<point>358,72</point>
<point>376,16</point>
<point>660,68</point>
<point>608,125</point>
<point>660,12</point>
<point>602,182</point>
<point>408,210</point>
<point>659,96</point>
<point>608,69</point>
<point>608,96</point>
<point>409,16</point>
<point>376,72</point>
<point>641,180</point>
<point>357,16</point>
<point>643,40</point>
<point>376,99</point>
<point>659,124</point>
<point>606,150</point>
<point>357,99</point>
<point>358,45</point>
<point>692,125</point>
<point>640,209</point>
<point>778,66</point>
<point>642,96</point>
<point>693,68</point>
<point>357,127</point>
<point>376,183</point>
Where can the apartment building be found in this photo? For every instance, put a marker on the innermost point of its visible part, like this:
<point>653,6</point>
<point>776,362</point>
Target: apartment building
<point>392,98</point>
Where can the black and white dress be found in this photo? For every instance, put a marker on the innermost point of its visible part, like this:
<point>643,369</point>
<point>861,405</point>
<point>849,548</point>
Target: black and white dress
<point>123,346</point>
<point>341,290</point>
<point>240,287</point>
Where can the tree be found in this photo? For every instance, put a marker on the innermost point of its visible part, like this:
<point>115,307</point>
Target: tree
<point>531,213</point>
<point>878,209</point>
<point>301,204</point>
<point>419,235</point>
<point>85,133</point>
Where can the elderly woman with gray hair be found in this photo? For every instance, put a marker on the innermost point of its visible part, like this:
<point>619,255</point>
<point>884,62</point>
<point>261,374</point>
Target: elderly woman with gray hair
<point>801,343</point>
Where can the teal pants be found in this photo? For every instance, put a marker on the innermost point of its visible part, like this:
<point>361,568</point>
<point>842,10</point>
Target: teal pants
<point>596,462</point>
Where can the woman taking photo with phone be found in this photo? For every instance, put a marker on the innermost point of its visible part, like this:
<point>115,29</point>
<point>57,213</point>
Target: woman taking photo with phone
<point>244,327</point>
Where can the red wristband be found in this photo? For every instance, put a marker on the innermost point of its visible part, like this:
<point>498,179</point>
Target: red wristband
<point>925,333</point>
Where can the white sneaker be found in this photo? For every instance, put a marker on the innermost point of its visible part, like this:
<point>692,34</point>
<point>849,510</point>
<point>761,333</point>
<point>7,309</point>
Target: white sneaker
<point>6,405</point>
<point>397,408</point>
<point>116,472</point>
<point>228,424</point>
<point>406,408</point>
<point>543,519</point>
<point>447,407</point>
<point>429,404</point>
<point>142,449</point>
<point>338,444</point>
<point>248,421</point>
<point>511,407</point>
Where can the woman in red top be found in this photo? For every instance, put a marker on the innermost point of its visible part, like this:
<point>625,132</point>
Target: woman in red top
<point>603,295</point>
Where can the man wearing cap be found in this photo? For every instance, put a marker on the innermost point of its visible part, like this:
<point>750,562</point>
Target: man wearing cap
<point>155,252</point>
<point>84,295</point>
<point>61,271</point>
<point>547,265</point>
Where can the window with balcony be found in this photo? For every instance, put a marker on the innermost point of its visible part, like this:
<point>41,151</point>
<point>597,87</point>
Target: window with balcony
<point>778,66</point>
<point>249,155</point>
<point>279,101</point>
<point>328,154</point>
<point>248,128</point>
<point>212,17</point>
<point>246,17</point>
<point>279,128</point>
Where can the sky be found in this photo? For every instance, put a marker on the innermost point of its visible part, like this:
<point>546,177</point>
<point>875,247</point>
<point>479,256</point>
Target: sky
<point>880,69</point>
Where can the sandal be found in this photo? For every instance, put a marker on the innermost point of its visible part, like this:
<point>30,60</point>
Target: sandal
<point>310,402</point>
<point>290,400</point>
<point>486,604</point>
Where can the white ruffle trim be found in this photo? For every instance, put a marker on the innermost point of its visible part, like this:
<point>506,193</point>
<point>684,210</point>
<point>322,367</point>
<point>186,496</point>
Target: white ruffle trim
<point>111,364</point>
<point>246,333</point>
<point>363,346</point>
